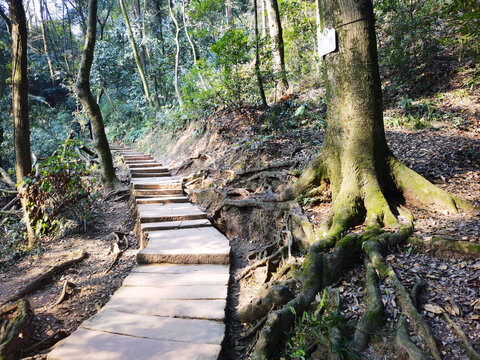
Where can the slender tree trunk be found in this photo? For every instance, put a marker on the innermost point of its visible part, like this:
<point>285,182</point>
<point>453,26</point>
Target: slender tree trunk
<point>177,55</point>
<point>85,96</point>
<point>264,20</point>
<point>136,54</point>
<point>192,45</point>
<point>45,44</point>
<point>257,57</point>
<point>228,12</point>
<point>23,156</point>
<point>278,54</point>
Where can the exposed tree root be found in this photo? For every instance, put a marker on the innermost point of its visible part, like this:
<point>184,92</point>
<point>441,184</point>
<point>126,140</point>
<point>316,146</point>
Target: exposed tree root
<point>404,343</point>
<point>13,327</point>
<point>373,316</point>
<point>417,288</point>
<point>439,245</point>
<point>46,276</point>
<point>260,263</point>
<point>63,295</point>
<point>11,203</point>
<point>467,346</point>
<point>273,165</point>
<point>416,187</point>
<point>278,295</point>
<point>408,308</point>
<point>48,342</point>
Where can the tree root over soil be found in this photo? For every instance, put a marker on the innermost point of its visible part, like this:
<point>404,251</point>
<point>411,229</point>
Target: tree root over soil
<point>46,276</point>
<point>358,194</point>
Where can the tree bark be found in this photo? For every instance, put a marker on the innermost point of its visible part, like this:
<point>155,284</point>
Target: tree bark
<point>278,54</point>
<point>23,157</point>
<point>136,54</point>
<point>45,44</point>
<point>177,55</point>
<point>257,57</point>
<point>85,96</point>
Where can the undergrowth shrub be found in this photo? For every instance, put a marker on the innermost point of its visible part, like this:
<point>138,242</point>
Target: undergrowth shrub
<point>57,190</point>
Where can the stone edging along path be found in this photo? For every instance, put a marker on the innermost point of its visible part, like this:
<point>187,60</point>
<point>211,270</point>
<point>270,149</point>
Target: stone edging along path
<point>172,304</point>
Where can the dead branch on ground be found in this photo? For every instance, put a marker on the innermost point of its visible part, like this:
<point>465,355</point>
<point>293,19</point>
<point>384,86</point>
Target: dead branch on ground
<point>46,276</point>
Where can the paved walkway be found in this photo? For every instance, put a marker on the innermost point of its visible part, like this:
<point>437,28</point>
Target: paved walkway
<point>172,305</point>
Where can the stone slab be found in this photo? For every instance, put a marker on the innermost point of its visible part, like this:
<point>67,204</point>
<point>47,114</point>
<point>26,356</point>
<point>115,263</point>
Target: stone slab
<point>181,269</point>
<point>156,327</point>
<point>194,309</point>
<point>88,344</point>
<point>149,175</point>
<point>161,280</point>
<point>186,246</point>
<point>153,183</point>
<point>194,292</point>
<point>170,225</point>
<point>169,212</point>
<point>150,169</point>
<point>163,200</point>
<point>147,164</point>
<point>157,192</point>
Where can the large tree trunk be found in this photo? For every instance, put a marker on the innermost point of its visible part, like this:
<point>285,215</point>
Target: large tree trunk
<point>23,158</point>
<point>136,54</point>
<point>355,159</point>
<point>278,54</point>
<point>109,178</point>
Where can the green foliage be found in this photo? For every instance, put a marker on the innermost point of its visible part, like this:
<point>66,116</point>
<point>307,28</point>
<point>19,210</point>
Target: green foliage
<point>316,329</point>
<point>57,188</point>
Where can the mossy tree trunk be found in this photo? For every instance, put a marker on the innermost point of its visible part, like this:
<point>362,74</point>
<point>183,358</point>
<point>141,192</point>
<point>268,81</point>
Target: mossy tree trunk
<point>23,157</point>
<point>84,93</point>
<point>355,158</point>
<point>278,53</point>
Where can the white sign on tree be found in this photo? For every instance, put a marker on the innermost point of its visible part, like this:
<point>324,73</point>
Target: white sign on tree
<point>327,42</point>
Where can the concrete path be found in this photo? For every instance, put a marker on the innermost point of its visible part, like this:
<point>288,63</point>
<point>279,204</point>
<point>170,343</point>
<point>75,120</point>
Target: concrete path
<point>172,305</point>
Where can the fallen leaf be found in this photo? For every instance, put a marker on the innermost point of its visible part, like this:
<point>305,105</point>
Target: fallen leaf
<point>433,308</point>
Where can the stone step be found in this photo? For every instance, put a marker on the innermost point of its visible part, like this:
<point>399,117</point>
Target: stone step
<point>186,246</point>
<point>139,194</point>
<point>148,175</point>
<point>156,170</point>
<point>171,225</point>
<point>153,183</point>
<point>147,164</point>
<point>150,213</point>
<point>194,292</point>
<point>192,309</point>
<point>89,344</point>
<point>156,327</point>
<point>163,200</point>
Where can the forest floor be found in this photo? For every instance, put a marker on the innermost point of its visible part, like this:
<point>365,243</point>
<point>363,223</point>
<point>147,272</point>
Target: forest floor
<point>93,286</point>
<point>443,148</point>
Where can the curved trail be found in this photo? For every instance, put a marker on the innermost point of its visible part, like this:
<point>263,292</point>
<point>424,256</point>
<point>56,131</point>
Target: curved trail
<point>172,304</point>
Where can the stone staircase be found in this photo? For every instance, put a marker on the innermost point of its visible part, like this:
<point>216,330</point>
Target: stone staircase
<point>172,304</point>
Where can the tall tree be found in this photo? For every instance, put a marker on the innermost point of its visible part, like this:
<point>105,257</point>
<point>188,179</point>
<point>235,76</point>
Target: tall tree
<point>257,56</point>
<point>136,54</point>
<point>361,170</point>
<point>278,53</point>
<point>109,178</point>
<point>178,94</point>
<point>23,157</point>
